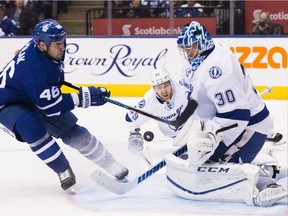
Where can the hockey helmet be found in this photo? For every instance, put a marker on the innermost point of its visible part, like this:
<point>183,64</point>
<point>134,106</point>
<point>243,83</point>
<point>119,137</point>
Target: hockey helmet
<point>160,76</point>
<point>194,33</point>
<point>48,30</point>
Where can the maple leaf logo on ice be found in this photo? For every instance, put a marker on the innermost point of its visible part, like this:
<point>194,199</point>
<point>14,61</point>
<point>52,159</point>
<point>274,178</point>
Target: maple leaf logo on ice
<point>126,30</point>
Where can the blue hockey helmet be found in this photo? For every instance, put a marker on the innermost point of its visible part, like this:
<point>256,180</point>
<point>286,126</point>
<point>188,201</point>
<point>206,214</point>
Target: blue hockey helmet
<point>194,33</point>
<point>48,30</point>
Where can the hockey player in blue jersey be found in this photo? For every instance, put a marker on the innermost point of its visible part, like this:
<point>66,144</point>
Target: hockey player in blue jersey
<point>34,110</point>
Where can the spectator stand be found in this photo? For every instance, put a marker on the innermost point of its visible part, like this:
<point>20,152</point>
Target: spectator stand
<point>220,12</point>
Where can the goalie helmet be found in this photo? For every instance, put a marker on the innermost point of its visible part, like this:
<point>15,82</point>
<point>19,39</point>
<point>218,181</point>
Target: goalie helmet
<point>197,35</point>
<point>49,30</point>
<point>160,76</point>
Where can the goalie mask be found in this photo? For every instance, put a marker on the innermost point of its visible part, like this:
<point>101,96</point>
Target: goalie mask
<point>193,42</point>
<point>48,31</point>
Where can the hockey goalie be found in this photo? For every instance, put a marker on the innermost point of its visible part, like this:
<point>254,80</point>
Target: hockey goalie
<point>194,175</point>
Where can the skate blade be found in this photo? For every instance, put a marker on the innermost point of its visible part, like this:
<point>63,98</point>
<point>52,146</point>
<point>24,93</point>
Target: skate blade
<point>72,190</point>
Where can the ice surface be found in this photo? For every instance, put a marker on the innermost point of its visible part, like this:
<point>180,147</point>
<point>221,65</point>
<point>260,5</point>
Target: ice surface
<point>29,188</point>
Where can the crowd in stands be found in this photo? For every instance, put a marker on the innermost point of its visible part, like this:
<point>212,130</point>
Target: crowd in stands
<point>19,17</point>
<point>191,8</point>
<point>188,8</point>
<point>161,8</point>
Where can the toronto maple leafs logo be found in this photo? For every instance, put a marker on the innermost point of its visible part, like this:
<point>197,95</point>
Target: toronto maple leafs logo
<point>48,24</point>
<point>215,72</point>
<point>61,67</point>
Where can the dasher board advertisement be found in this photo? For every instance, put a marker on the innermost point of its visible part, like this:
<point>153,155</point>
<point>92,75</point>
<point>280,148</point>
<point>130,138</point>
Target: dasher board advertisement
<point>125,64</point>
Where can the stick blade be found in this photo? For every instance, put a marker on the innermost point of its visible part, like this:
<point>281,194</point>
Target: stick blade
<point>111,184</point>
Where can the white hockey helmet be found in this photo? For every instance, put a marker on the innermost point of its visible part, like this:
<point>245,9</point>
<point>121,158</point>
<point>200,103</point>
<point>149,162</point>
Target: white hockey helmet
<point>160,76</point>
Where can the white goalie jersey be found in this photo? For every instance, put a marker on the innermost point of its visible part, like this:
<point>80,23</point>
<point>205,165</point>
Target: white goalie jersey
<point>225,94</point>
<point>169,110</point>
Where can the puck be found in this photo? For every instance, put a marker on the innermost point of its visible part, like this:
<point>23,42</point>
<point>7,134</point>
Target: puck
<point>148,136</point>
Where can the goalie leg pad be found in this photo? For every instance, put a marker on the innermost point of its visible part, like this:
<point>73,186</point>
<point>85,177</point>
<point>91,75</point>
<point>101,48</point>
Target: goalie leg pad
<point>212,182</point>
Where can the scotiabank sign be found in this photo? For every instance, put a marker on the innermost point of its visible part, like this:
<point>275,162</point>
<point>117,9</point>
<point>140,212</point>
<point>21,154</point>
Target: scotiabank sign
<point>278,13</point>
<point>148,26</point>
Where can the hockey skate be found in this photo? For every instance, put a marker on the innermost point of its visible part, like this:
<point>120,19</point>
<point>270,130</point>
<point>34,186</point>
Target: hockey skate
<point>67,178</point>
<point>269,195</point>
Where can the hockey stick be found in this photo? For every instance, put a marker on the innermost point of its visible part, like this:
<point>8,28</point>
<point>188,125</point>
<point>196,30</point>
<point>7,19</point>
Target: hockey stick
<point>269,89</point>
<point>276,138</point>
<point>149,163</point>
<point>189,110</point>
<point>122,187</point>
<point>119,187</point>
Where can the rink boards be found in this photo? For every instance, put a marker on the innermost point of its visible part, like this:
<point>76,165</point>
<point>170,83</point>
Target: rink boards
<point>124,64</point>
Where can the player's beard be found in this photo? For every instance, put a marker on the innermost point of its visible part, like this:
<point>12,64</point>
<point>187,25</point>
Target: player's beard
<point>56,57</point>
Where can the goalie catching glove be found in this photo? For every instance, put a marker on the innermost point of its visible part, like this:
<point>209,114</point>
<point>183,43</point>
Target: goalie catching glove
<point>92,96</point>
<point>135,141</point>
<point>202,141</point>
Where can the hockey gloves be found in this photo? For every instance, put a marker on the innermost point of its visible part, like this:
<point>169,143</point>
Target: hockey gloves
<point>135,141</point>
<point>92,96</point>
<point>202,142</point>
<point>211,127</point>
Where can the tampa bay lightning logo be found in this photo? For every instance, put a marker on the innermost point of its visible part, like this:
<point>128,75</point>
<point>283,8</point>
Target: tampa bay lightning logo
<point>142,104</point>
<point>169,105</point>
<point>134,115</point>
<point>189,72</point>
<point>215,72</point>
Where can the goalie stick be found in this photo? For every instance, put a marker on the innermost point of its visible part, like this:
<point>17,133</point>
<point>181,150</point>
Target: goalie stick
<point>123,186</point>
<point>189,110</point>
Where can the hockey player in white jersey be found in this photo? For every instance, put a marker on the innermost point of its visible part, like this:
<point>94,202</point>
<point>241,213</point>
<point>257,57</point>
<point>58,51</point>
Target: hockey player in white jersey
<point>166,99</point>
<point>226,96</point>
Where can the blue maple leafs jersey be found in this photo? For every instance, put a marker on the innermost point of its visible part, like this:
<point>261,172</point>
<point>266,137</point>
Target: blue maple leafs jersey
<point>32,78</point>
